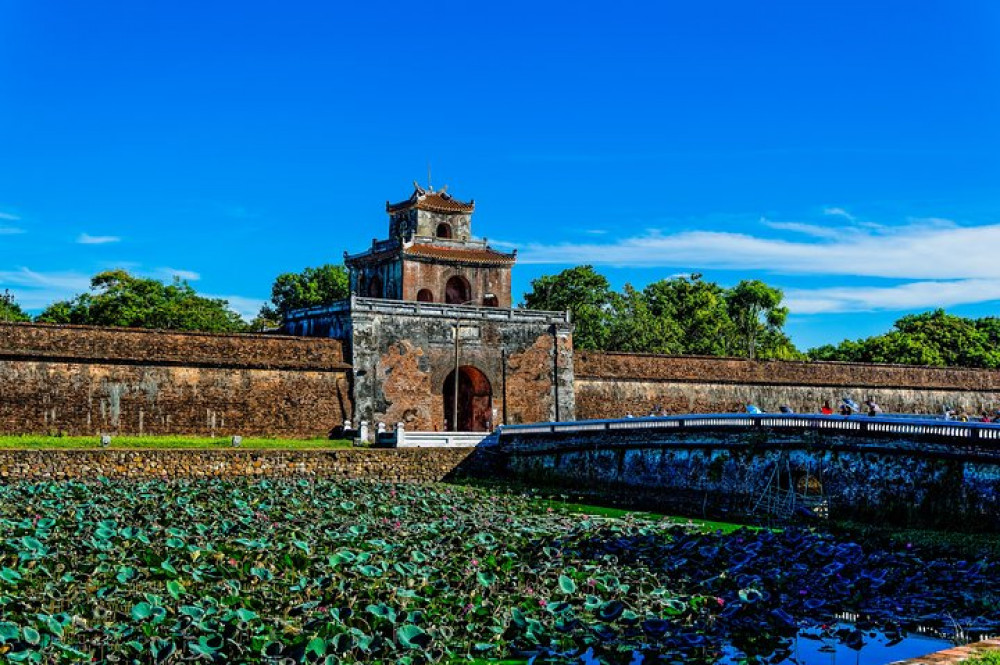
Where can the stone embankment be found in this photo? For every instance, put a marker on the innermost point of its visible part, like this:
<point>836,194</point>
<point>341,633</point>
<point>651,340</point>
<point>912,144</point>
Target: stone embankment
<point>955,655</point>
<point>385,465</point>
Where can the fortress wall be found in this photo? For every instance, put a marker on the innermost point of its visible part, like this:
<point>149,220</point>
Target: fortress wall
<point>37,341</point>
<point>610,385</point>
<point>80,380</point>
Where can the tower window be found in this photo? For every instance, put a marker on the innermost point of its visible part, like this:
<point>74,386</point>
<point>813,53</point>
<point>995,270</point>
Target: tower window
<point>443,230</point>
<point>457,291</point>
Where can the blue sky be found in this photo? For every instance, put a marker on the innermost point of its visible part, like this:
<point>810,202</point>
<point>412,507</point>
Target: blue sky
<point>848,152</point>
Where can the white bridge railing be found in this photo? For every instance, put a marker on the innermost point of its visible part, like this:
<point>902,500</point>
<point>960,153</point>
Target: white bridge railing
<point>878,425</point>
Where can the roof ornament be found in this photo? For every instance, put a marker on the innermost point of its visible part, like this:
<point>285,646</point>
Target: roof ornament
<point>418,189</point>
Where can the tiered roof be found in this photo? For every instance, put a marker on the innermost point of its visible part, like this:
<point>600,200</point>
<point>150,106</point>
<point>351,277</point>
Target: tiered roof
<point>478,256</point>
<point>428,199</point>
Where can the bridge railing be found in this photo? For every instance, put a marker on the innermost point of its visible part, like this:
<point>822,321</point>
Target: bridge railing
<point>908,426</point>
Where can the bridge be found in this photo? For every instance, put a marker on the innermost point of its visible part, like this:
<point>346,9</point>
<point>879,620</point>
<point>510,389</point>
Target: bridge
<point>911,470</point>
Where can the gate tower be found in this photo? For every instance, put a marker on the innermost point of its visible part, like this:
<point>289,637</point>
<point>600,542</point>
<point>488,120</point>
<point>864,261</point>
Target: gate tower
<point>433,338</point>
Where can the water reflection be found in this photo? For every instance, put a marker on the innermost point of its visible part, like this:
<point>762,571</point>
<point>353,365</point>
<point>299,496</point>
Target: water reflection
<point>805,649</point>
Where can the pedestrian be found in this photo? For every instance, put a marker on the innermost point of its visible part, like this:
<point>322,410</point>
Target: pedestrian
<point>826,410</point>
<point>753,409</point>
<point>848,407</point>
<point>873,408</point>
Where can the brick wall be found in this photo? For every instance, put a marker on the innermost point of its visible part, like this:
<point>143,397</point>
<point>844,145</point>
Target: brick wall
<point>386,465</point>
<point>609,385</point>
<point>83,380</point>
<point>136,346</point>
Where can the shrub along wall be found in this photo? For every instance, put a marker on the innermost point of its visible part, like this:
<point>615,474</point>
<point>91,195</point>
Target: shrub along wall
<point>83,380</point>
<point>609,385</point>
<point>381,464</point>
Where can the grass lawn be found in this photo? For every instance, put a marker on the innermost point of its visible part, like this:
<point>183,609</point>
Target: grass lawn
<point>985,658</point>
<point>31,442</point>
<point>560,503</point>
<point>620,513</point>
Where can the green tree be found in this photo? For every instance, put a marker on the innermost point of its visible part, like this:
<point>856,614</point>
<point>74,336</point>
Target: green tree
<point>757,314</point>
<point>296,290</point>
<point>930,338</point>
<point>634,327</point>
<point>10,311</point>
<point>120,299</point>
<point>698,309</point>
<point>582,291</point>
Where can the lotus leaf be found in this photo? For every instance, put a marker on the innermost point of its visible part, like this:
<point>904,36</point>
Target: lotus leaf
<point>339,571</point>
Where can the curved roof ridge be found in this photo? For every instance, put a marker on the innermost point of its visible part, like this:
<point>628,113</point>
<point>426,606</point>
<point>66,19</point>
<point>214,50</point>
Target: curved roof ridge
<point>428,199</point>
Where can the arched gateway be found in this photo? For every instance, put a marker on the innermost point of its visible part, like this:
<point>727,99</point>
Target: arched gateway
<point>475,400</point>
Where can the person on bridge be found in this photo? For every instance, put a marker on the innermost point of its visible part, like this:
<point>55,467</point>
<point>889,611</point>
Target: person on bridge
<point>826,410</point>
<point>873,408</point>
<point>753,408</point>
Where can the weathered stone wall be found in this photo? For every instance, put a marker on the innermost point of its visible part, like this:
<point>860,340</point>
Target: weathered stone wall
<point>387,465</point>
<point>725,471</point>
<point>34,341</point>
<point>427,224</point>
<point>81,380</point>
<point>610,385</point>
<point>403,354</point>
<point>419,275</point>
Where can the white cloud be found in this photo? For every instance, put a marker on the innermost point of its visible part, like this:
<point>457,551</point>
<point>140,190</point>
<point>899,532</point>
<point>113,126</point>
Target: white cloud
<point>35,290</point>
<point>9,217</point>
<point>918,250</point>
<point>170,273</point>
<point>913,295</point>
<point>87,239</point>
<point>814,230</point>
<point>245,307</point>
<point>839,212</point>
<point>10,231</point>
<point>595,232</point>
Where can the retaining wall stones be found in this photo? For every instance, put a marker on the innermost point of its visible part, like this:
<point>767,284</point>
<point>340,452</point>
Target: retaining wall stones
<point>386,465</point>
<point>718,472</point>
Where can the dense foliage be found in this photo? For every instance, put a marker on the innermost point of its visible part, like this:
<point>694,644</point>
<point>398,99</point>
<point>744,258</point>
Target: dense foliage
<point>10,310</point>
<point>931,338</point>
<point>121,299</point>
<point>680,315</point>
<point>309,288</point>
<point>322,571</point>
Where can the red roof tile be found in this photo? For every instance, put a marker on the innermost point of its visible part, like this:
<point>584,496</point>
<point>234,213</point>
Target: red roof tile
<point>460,254</point>
<point>422,199</point>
